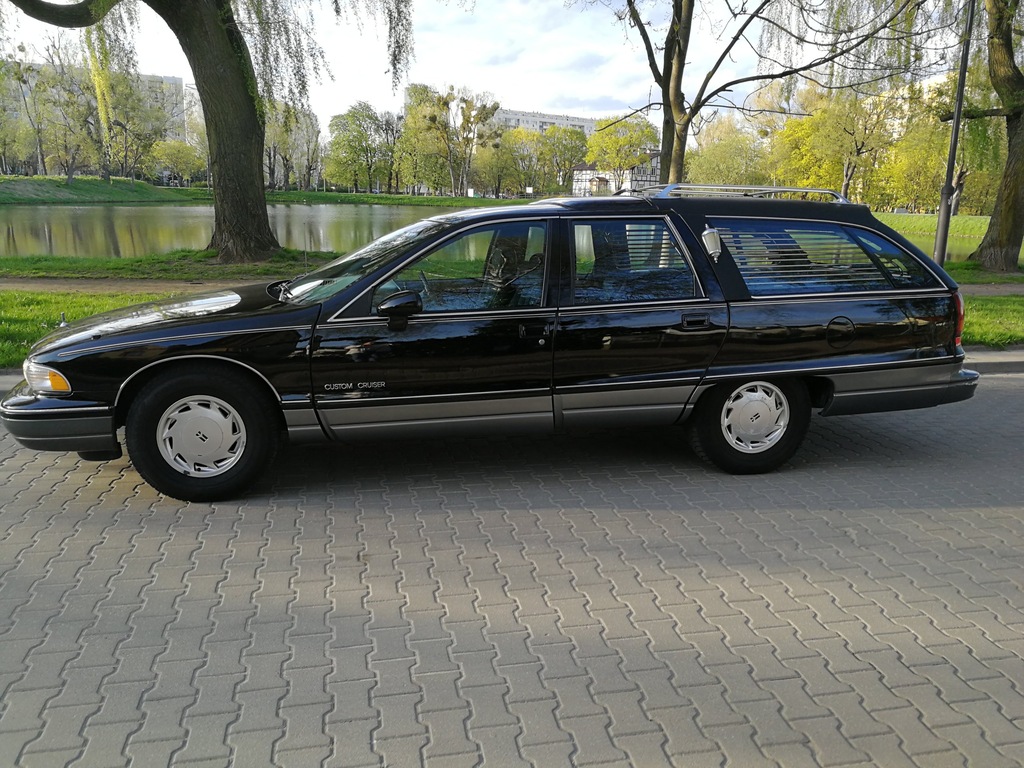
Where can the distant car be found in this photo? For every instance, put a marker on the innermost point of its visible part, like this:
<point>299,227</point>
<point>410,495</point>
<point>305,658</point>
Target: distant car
<point>732,312</point>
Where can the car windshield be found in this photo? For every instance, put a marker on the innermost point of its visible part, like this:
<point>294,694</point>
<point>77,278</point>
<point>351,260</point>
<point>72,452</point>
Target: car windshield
<point>331,278</point>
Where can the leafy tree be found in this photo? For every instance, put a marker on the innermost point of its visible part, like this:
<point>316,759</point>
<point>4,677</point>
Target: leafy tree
<point>390,132</point>
<point>195,128</point>
<point>278,118</point>
<point>727,153</point>
<point>523,149</point>
<point>619,144</point>
<point>240,52</point>
<point>494,169</point>
<point>301,153</point>
<point>912,171</point>
<point>355,148</point>
<point>417,148</point>
<point>178,158</point>
<point>137,122</point>
<point>838,135</point>
<point>12,119</point>
<point>29,81</point>
<point>561,148</point>
<point>459,121</point>
<point>74,134</point>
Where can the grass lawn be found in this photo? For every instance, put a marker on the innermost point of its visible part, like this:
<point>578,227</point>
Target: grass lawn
<point>85,190</point>
<point>971,273</point>
<point>29,315</point>
<point>48,190</point>
<point>176,265</point>
<point>994,321</point>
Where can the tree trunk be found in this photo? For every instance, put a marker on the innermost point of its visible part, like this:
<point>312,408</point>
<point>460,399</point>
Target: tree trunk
<point>682,116</point>
<point>235,124</point>
<point>226,82</point>
<point>668,133</point>
<point>1000,248</point>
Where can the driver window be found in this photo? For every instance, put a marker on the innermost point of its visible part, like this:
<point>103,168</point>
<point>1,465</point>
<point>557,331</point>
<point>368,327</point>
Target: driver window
<point>493,267</point>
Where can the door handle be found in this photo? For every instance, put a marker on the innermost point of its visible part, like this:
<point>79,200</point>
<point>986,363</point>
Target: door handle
<point>538,332</point>
<point>696,322</point>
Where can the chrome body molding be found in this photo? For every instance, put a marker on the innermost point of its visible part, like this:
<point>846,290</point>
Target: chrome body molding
<point>303,425</point>
<point>453,416</point>
<point>833,370</point>
<point>787,299</point>
<point>615,405</point>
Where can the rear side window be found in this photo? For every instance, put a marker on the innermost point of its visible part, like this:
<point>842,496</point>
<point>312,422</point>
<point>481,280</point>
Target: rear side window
<point>803,257</point>
<point>629,260</point>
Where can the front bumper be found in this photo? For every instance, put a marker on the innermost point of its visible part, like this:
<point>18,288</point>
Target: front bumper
<point>57,424</point>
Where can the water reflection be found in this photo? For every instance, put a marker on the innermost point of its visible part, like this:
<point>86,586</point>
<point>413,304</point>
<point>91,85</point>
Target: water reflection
<point>32,230</point>
<point>957,248</point>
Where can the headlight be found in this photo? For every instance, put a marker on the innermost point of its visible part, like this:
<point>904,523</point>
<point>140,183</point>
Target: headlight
<point>45,380</point>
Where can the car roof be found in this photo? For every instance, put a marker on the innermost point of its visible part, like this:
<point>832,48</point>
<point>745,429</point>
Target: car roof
<point>698,207</point>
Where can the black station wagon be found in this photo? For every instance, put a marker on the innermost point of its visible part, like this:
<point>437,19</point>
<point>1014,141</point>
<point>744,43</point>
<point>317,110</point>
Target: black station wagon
<point>732,312</point>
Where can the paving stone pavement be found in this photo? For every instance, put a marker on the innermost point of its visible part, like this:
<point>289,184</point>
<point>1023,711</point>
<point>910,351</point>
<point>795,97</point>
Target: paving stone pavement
<point>594,600</point>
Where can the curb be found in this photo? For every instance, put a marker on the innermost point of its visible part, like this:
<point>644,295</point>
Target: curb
<point>986,360</point>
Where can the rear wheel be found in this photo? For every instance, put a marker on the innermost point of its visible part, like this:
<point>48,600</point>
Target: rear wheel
<point>201,436</point>
<point>751,428</point>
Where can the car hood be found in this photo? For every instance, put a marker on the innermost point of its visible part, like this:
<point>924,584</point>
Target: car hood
<point>155,314</point>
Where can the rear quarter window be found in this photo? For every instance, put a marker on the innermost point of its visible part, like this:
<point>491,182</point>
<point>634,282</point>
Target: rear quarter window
<point>808,257</point>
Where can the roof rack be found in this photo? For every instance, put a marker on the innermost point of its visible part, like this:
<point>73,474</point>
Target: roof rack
<point>737,190</point>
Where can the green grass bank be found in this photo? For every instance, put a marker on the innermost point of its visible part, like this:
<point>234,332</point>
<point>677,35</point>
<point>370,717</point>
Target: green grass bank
<point>90,190</point>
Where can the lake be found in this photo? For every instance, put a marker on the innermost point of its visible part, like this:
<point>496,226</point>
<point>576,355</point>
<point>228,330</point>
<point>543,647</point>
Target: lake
<point>32,230</point>
<point>137,230</point>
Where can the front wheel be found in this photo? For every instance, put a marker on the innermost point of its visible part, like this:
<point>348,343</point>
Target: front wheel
<point>200,436</point>
<point>751,428</point>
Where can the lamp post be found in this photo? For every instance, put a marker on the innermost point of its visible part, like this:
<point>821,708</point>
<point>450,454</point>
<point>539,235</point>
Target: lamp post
<point>946,196</point>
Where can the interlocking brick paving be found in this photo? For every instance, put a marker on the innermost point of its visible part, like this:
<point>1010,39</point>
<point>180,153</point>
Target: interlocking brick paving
<point>599,599</point>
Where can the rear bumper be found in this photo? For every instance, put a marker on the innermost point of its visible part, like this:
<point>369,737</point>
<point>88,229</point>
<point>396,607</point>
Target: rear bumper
<point>953,386</point>
<point>51,424</point>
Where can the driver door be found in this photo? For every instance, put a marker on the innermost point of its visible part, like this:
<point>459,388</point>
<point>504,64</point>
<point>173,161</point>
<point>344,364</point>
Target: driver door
<point>477,356</point>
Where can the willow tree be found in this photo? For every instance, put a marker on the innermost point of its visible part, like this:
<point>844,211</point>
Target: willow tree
<point>1000,248</point>
<point>842,40</point>
<point>243,53</point>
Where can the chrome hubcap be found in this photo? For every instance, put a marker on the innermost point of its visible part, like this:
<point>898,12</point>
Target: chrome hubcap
<point>755,417</point>
<point>201,436</point>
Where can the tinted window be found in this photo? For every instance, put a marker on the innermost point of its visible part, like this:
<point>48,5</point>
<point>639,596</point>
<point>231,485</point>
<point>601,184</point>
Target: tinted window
<point>331,278</point>
<point>787,257</point>
<point>491,267</point>
<point>629,260</point>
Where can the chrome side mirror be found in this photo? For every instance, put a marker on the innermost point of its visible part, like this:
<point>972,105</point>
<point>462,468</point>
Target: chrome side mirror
<point>712,242</point>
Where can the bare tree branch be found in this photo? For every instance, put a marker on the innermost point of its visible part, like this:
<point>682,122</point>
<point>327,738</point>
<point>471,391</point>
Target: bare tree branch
<point>652,61</point>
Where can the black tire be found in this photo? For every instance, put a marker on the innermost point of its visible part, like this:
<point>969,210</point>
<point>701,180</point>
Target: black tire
<point>201,436</point>
<point>778,413</point>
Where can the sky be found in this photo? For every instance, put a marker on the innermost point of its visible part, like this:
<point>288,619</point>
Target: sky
<point>530,55</point>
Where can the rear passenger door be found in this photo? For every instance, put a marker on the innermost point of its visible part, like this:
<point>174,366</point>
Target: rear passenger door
<point>829,294</point>
<point>635,330</point>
